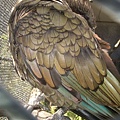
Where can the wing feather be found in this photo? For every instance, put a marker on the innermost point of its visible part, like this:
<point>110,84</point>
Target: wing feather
<point>46,74</point>
<point>58,46</point>
<point>86,73</point>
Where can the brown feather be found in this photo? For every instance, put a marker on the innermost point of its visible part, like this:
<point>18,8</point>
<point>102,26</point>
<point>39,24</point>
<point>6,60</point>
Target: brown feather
<point>58,67</point>
<point>46,60</point>
<point>91,83</point>
<point>79,74</point>
<point>35,69</point>
<point>54,41</point>
<point>46,74</point>
<point>61,60</point>
<point>110,65</point>
<point>39,58</point>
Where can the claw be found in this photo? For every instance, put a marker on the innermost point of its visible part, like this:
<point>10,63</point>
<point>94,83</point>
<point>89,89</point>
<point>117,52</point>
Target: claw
<point>58,115</point>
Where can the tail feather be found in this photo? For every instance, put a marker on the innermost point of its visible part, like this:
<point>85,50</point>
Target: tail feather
<point>97,108</point>
<point>112,80</point>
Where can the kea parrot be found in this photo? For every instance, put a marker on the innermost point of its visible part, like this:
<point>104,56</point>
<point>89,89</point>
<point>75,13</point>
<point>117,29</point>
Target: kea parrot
<point>55,48</point>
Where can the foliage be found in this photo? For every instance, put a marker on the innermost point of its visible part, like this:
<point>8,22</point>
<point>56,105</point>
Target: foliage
<point>73,116</point>
<point>70,114</point>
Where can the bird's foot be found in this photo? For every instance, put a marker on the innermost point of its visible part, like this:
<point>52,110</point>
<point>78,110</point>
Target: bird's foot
<point>36,100</point>
<point>58,115</point>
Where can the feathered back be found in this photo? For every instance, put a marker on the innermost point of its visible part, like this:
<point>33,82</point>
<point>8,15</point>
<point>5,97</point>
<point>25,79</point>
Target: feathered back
<point>55,49</point>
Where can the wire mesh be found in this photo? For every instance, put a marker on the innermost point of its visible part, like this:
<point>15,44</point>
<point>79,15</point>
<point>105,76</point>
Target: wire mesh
<point>8,78</point>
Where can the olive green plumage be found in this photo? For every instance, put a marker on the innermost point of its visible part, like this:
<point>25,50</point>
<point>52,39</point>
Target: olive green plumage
<point>55,49</point>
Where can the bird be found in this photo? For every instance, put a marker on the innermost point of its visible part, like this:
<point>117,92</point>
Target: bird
<point>54,47</point>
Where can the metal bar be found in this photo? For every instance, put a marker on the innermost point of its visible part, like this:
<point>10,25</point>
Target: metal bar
<point>12,108</point>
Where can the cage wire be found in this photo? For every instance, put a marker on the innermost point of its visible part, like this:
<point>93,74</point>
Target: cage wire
<point>8,78</point>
